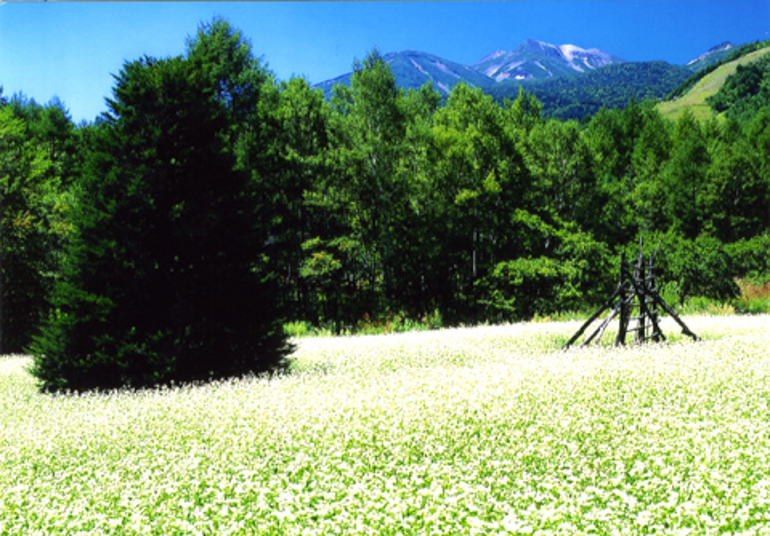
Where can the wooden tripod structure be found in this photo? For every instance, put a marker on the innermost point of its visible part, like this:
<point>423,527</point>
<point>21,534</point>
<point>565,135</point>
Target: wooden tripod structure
<point>636,292</point>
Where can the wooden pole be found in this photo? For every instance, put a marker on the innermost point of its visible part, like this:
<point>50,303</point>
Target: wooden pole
<point>602,327</point>
<point>620,339</point>
<point>643,311</point>
<point>637,287</point>
<point>670,311</point>
<point>653,287</point>
<point>596,315</point>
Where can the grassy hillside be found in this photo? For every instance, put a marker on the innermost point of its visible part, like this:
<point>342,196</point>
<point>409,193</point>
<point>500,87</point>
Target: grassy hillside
<point>489,430</point>
<point>695,99</point>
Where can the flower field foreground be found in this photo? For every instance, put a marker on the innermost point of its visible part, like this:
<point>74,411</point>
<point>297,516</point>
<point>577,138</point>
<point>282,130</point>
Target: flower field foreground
<point>488,430</point>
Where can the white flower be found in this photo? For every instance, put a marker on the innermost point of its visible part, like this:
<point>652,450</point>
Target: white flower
<point>513,524</point>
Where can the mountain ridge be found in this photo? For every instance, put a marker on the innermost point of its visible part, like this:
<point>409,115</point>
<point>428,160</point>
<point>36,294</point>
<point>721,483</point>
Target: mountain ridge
<point>530,60</point>
<point>535,59</point>
<point>413,69</point>
<point>555,73</point>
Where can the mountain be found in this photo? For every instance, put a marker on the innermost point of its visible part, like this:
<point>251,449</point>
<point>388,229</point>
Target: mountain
<point>570,81</point>
<point>612,86</point>
<point>535,60</point>
<point>531,60</point>
<point>416,68</point>
<point>413,69</point>
<point>710,57</point>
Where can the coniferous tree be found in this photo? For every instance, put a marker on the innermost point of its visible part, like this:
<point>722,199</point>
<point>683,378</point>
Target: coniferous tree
<point>163,281</point>
<point>684,177</point>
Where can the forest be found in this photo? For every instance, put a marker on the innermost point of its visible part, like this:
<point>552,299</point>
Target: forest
<point>216,203</point>
<point>610,87</point>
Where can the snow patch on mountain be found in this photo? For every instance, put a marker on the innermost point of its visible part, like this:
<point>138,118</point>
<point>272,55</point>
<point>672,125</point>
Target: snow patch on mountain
<point>506,73</point>
<point>568,51</point>
<point>591,58</point>
<point>493,68</point>
<point>418,67</point>
<point>543,67</point>
<point>496,54</point>
<point>446,69</point>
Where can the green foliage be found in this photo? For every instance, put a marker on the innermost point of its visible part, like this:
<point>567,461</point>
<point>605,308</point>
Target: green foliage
<point>564,270</point>
<point>37,155</point>
<point>743,84</point>
<point>699,267</point>
<point>559,158</point>
<point>163,281</point>
<point>701,305</point>
<point>737,195</point>
<point>744,92</point>
<point>224,56</point>
<point>684,177</point>
<point>751,257</point>
<point>397,323</point>
<point>524,287</point>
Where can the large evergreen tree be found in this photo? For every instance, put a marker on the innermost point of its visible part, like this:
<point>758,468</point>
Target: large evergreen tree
<point>163,281</point>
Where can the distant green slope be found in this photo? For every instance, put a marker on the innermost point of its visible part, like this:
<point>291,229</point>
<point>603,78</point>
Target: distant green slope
<point>609,87</point>
<point>695,99</point>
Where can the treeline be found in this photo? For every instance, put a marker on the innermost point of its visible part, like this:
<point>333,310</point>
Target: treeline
<point>373,203</point>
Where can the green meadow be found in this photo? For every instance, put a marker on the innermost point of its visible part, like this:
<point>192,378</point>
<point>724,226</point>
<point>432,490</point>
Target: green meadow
<point>487,430</point>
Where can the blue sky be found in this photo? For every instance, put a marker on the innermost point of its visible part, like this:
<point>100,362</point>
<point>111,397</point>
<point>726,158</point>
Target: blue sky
<point>71,49</point>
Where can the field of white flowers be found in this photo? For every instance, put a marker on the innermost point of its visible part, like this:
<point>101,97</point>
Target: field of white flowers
<point>489,430</point>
